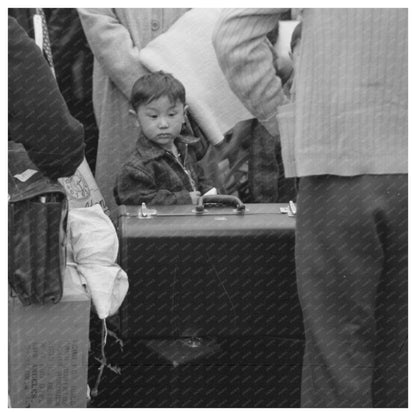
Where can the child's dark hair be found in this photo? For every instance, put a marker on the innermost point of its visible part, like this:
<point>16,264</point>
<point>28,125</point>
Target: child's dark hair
<point>155,85</point>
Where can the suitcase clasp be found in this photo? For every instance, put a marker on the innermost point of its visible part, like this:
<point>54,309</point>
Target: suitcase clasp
<point>145,213</point>
<point>290,210</point>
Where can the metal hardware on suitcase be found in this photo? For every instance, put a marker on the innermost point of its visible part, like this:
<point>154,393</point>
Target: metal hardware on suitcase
<point>209,270</point>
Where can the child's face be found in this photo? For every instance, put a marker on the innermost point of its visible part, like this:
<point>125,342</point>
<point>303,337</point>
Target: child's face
<point>161,120</point>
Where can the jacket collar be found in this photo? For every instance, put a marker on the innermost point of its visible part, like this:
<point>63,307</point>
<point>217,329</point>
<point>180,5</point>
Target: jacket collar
<point>149,150</point>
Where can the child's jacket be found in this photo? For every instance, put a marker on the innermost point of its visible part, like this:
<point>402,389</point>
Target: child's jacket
<point>154,176</point>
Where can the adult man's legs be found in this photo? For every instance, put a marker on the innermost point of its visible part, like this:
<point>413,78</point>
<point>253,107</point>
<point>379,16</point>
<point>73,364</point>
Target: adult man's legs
<point>340,260</point>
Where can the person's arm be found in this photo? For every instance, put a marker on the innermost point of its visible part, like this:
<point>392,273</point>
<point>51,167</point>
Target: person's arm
<point>244,56</point>
<point>135,185</point>
<point>112,46</point>
<point>38,115</point>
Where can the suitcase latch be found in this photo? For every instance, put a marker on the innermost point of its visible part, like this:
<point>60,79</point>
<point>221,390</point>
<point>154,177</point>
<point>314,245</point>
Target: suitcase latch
<point>290,210</point>
<point>145,213</point>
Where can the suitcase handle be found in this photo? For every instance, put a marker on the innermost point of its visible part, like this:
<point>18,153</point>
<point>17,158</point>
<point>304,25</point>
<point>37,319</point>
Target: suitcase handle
<point>228,200</point>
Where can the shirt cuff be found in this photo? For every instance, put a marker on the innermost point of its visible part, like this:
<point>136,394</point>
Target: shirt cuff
<point>271,125</point>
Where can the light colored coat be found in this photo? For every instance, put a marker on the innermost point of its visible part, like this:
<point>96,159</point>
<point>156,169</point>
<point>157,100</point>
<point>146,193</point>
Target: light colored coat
<point>116,37</point>
<point>350,113</point>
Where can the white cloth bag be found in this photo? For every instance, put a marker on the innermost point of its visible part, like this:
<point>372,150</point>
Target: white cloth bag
<point>94,245</point>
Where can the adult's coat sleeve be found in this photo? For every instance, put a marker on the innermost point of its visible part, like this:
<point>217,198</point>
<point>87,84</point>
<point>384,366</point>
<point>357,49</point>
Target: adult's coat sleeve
<point>38,115</point>
<point>245,57</point>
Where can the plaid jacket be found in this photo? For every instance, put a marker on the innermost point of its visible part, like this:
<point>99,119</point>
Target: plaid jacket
<point>154,176</point>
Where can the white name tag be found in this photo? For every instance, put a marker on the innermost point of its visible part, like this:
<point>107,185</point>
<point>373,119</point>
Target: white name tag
<point>24,176</point>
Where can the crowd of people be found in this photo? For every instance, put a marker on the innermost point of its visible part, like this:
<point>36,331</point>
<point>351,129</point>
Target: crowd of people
<point>335,127</point>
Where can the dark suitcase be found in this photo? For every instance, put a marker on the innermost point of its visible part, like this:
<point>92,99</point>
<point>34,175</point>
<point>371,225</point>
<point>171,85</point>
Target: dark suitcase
<point>212,317</point>
<point>220,271</point>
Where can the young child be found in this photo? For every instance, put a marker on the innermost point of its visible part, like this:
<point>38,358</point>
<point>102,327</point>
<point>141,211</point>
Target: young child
<point>163,169</point>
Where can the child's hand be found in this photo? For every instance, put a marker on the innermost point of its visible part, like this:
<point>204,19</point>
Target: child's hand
<point>194,196</point>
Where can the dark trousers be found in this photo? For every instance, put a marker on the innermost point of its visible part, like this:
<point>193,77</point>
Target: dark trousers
<point>352,270</point>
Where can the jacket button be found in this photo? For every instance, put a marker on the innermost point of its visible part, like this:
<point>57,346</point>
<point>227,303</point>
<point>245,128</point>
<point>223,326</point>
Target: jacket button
<point>155,25</point>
